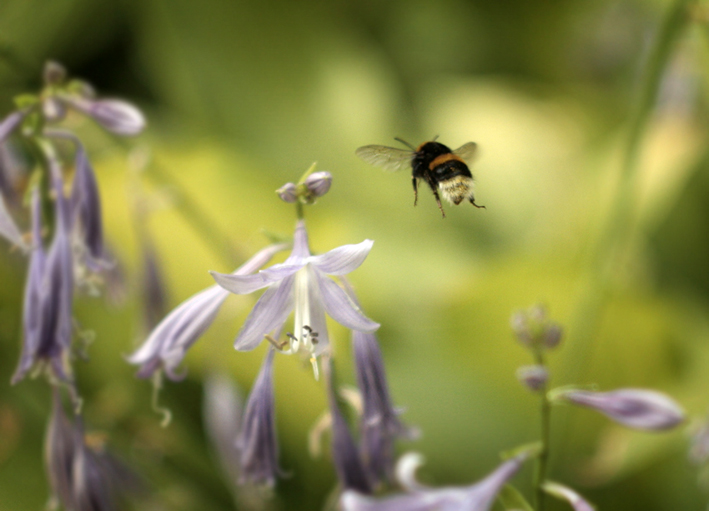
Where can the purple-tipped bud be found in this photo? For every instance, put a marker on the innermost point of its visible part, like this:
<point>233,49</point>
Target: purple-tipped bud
<point>478,497</point>
<point>116,116</point>
<point>288,193</point>
<point>634,408</point>
<point>534,330</point>
<point>345,454</point>
<point>318,183</point>
<point>563,493</point>
<point>257,441</point>
<point>533,377</point>
<point>54,73</point>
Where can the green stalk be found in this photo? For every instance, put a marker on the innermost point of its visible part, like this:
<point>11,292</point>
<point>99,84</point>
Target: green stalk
<point>540,470</point>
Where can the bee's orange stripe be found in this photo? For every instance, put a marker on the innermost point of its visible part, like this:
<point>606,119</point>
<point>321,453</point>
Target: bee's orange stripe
<point>440,160</point>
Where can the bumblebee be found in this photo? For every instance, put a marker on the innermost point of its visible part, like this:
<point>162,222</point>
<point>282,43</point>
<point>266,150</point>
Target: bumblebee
<point>435,163</point>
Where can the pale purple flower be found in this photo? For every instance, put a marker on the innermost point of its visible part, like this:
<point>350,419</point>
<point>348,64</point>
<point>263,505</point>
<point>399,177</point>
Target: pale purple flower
<point>168,343</point>
<point>301,283</point>
<point>257,441</point>
<point>288,193</point>
<point>81,478</point>
<point>564,493</point>
<point>116,116</point>
<point>533,377</point>
<point>49,291</point>
<point>380,424</point>
<point>634,408</point>
<point>478,497</point>
<point>345,455</point>
<point>318,183</point>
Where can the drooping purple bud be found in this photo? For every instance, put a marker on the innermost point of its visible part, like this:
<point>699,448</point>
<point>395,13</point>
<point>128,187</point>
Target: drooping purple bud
<point>257,441</point>
<point>54,73</point>
<point>635,408</point>
<point>288,193</point>
<point>167,344</point>
<point>86,202</point>
<point>318,183</point>
<point>533,377</point>
<point>10,123</point>
<point>119,117</point>
<point>345,455</point>
<point>478,497</point>
<point>564,493</point>
<point>49,293</point>
<point>380,425</point>
<point>153,286</point>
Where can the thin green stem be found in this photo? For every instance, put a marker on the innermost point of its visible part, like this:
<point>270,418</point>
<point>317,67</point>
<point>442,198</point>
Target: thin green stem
<point>540,471</point>
<point>299,210</point>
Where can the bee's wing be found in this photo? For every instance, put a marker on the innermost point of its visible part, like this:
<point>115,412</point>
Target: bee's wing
<point>388,158</point>
<point>467,152</point>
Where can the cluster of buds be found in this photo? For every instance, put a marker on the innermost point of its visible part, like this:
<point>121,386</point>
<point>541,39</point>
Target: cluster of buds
<point>534,330</point>
<point>311,186</point>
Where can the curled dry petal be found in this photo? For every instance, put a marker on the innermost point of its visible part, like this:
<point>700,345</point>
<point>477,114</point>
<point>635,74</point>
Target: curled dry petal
<point>634,408</point>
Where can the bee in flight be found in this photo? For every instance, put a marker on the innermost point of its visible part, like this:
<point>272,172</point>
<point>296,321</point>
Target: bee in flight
<point>435,163</point>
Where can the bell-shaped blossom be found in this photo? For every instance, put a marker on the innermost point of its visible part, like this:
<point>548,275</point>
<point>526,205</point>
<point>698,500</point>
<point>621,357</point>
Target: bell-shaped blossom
<point>634,408</point>
<point>380,424</point>
<point>49,291</point>
<point>478,497</point>
<point>257,441</point>
<point>564,493</point>
<point>81,478</point>
<point>168,343</point>
<point>301,282</point>
<point>116,116</point>
<point>346,457</point>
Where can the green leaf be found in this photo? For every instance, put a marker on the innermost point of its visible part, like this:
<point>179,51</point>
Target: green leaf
<point>26,100</point>
<point>511,498</point>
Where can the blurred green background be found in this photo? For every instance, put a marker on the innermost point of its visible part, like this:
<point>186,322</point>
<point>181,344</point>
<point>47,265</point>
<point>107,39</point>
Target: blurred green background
<point>243,96</point>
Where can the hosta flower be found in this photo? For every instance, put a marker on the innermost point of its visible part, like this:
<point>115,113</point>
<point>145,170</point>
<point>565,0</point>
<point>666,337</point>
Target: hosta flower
<point>562,492</point>
<point>301,283</point>
<point>257,442</point>
<point>380,424</point>
<point>168,343</point>
<point>116,116</point>
<point>634,408</point>
<point>345,455</point>
<point>49,291</point>
<point>478,497</point>
<point>10,123</point>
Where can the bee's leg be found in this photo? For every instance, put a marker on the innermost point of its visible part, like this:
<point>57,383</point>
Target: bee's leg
<point>438,201</point>
<point>416,191</point>
<point>472,201</point>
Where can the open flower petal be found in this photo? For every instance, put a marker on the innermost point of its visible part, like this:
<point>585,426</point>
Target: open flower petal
<point>341,307</point>
<point>270,312</point>
<point>342,260</point>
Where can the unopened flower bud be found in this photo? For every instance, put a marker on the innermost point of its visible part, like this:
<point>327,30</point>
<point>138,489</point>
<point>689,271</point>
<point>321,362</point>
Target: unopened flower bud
<point>533,377</point>
<point>552,335</point>
<point>116,116</point>
<point>519,325</point>
<point>634,408</point>
<point>54,73</point>
<point>318,183</point>
<point>288,193</point>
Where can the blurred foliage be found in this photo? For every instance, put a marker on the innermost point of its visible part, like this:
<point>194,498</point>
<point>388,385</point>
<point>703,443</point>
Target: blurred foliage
<point>244,96</point>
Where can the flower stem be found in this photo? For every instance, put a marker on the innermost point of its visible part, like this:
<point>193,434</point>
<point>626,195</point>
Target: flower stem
<point>540,472</point>
<point>299,210</point>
